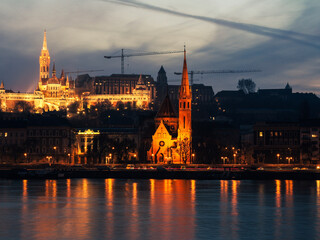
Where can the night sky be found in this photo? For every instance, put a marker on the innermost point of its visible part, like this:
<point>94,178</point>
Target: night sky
<point>280,37</point>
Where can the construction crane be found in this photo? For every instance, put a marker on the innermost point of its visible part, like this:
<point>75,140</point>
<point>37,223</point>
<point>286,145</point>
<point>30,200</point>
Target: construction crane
<point>84,71</point>
<point>216,71</point>
<point>122,56</point>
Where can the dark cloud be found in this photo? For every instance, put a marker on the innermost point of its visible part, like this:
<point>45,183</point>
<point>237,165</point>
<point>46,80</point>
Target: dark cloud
<point>301,38</point>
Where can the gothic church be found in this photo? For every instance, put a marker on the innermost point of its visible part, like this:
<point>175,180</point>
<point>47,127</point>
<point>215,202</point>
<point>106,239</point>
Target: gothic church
<point>172,140</point>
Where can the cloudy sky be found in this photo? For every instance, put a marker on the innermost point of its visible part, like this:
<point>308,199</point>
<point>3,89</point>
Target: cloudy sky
<point>280,37</point>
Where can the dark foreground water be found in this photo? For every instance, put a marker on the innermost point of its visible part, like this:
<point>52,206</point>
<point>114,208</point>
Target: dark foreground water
<point>159,209</point>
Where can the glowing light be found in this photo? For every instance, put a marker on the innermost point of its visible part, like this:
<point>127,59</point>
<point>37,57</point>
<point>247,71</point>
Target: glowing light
<point>278,193</point>
<point>25,188</point>
<point>89,132</point>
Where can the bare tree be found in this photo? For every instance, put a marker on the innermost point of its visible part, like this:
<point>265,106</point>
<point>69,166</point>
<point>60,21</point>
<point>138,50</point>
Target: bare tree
<point>185,149</point>
<point>246,85</point>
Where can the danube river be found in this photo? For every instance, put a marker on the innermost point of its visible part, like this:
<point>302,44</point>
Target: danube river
<point>159,209</point>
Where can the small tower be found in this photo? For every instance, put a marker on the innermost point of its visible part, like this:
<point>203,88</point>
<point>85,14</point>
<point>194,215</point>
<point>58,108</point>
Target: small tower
<point>185,128</point>
<point>44,60</point>
<point>54,72</point>
<point>2,90</point>
<point>161,86</point>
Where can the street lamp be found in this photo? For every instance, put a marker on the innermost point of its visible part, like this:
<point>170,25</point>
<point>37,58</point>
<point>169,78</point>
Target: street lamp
<point>278,156</point>
<point>193,157</point>
<point>55,148</point>
<point>49,159</point>
<point>152,157</point>
<point>289,159</point>
<point>224,159</point>
<point>234,158</point>
<point>25,156</point>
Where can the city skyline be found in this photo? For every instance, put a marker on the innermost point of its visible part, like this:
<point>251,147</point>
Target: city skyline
<point>278,37</point>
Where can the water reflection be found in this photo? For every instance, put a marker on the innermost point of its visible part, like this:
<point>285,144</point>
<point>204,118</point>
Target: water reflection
<point>159,209</point>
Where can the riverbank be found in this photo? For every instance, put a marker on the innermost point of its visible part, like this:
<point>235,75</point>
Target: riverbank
<point>160,173</point>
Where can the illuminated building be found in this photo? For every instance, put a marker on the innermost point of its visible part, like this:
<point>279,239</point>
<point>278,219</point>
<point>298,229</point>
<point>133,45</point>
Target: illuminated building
<point>172,140</point>
<point>138,97</point>
<point>84,144</point>
<point>57,92</point>
<point>10,101</point>
<point>51,94</point>
<point>105,145</point>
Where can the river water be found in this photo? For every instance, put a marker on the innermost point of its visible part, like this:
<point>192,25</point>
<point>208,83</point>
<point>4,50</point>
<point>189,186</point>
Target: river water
<point>159,209</point>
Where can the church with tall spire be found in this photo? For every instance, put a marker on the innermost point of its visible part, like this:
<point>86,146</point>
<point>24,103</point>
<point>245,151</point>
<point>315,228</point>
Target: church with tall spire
<point>53,88</point>
<point>172,140</point>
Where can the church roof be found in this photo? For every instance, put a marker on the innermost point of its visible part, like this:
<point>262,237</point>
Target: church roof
<point>166,109</point>
<point>162,70</point>
<point>53,80</point>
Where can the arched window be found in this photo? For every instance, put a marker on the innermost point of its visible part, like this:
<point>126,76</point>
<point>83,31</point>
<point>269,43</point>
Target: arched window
<point>184,105</point>
<point>188,105</point>
<point>184,122</point>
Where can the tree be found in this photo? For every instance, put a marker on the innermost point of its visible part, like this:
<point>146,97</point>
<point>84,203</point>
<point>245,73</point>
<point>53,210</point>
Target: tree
<point>102,146</point>
<point>120,106</point>
<point>22,106</point>
<point>122,148</point>
<point>73,107</point>
<point>246,85</point>
<point>185,150</point>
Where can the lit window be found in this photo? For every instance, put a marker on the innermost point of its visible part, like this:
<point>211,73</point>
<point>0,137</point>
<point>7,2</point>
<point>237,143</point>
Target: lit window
<point>260,134</point>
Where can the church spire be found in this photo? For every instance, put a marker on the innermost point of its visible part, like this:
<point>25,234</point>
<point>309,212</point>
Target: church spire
<point>44,46</point>
<point>44,61</point>
<point>2,85</point>
<point>54,70</point>
<point>185,88</point>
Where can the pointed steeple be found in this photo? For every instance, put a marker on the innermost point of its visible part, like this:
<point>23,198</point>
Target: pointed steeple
<point>162,70</point>
<point>288,86</point>
<point>2,85</point>
<point>62,74</point>
<point>140,84</point>
<point>185,88</point>
<point>54,70</point>
<point>44,60</point>
<point>166,109</point>
<point>44,46</point>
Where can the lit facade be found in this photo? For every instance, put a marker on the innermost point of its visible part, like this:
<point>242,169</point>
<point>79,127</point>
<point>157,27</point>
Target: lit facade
<point>138,97</point>
<point>51,94</point>
<point>172,140</point>
<point>55,93</point>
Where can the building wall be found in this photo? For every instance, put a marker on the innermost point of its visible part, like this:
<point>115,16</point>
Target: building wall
<point>277,143</point>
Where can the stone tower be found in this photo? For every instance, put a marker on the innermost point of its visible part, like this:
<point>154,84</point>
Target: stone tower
<point>161,86</point>
<point>185,128</point>
<point>44,60</point>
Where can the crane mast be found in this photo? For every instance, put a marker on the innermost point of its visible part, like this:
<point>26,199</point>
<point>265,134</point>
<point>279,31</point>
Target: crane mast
<point>122,56</point>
